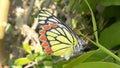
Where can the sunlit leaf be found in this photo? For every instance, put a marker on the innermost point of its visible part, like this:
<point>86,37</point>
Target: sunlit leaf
<point>74,23</point>
<point>22,61</point>
<point>19,66</point>
<point>27,48</point>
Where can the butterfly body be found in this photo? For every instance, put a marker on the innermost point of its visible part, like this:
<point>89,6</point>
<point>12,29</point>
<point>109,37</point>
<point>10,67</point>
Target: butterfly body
<point>56,38</point>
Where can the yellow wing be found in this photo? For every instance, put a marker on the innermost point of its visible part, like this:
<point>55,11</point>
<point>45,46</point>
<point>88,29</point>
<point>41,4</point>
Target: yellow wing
<point>61,41</point>
<point>57,38</point>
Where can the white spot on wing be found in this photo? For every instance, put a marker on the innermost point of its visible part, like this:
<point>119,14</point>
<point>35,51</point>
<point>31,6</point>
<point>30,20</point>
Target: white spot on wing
<point>41,22</point>
<point>53,20</point>
<point>42,18</point>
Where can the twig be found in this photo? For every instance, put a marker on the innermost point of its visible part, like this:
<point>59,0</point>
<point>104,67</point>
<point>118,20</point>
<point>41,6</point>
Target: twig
<point>29,32</point>
<point>31,65</point>
<point>29,11</point>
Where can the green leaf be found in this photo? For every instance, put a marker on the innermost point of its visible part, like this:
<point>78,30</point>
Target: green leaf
<point>96,65</point>
<point>27,48</point>
<point>74,23</point>
<point>62,63</point>
<point>22,61</point>
<point>48,63</point>
<point>96,55</point>
<point>99,55</point>
<point>110,2</point>
<point>32,56</point>
<point>110,37</point>
<point>19,66</point>
<point>42,57</point>
<point>8,28</point>
<point>79,59</point>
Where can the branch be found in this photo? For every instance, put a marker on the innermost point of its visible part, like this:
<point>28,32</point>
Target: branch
<point>29,11</point>
<point>31,65</point>
<point>4,7</point>
<point>30,34</point>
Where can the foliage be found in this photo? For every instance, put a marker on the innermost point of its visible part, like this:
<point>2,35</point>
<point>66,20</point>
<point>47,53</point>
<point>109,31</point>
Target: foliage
<point>96,64</point>
<point>32,57</point>
<point>99,22</point>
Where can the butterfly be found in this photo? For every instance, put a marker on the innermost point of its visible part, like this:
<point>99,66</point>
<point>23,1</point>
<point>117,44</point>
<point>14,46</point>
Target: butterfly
<point>56,38</point>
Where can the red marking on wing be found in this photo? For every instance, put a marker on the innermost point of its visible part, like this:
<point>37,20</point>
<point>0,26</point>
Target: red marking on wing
<point>48,50</point>
<point>42,38</point>
<point>45,44</point>
<point>42,31</point>
<point>46,27</point>
<point>53,25</point>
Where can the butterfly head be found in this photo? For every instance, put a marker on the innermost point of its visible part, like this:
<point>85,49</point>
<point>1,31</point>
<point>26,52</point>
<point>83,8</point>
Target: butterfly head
<point>78,44</point>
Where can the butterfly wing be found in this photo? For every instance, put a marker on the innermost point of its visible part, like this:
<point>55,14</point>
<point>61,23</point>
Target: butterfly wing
<point>57,38</point>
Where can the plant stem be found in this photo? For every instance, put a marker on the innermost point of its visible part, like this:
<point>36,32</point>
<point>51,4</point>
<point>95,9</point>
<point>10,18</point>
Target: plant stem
<point>102,48</point>
<point>93,22</point>
<point>108,52</point>
<point>96,36</point>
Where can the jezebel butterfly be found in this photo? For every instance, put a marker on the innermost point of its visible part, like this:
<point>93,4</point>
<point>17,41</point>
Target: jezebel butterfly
<point>56,38</point>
